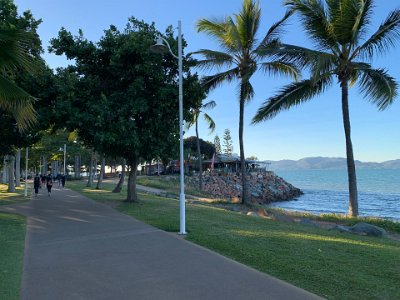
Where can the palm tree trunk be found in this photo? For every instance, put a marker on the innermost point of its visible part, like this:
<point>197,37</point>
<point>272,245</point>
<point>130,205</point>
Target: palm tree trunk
<point>11,182</point>
<point>118,188</point>
<point>90,180</point>
<point>351,169</point>
<point>5,170</point>
<point>18,168</point>
<point>199,157</point>
<point>245,197</point>
<point>132,194</point>
<point>102,171</point>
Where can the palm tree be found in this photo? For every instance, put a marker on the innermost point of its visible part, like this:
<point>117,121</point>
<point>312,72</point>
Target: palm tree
<point>242,56</point>
<point>342,52</point>
<point>15,57</point>
<point>211,126</point>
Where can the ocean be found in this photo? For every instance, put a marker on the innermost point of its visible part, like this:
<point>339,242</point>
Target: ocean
<point>326,191</point>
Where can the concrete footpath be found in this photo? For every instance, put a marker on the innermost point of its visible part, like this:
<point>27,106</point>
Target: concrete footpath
<point>78,249</point>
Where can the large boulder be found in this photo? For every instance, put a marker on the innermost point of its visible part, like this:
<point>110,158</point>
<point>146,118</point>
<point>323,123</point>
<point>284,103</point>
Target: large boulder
<point>264,187</point>
<point>368,229</point>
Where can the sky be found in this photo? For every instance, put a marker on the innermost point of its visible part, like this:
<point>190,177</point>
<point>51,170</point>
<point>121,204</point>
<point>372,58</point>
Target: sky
<point>312,129</point>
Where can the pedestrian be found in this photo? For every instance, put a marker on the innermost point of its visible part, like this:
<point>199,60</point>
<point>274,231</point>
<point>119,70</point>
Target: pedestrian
<point>63,180</point>
<point>43,177</point>
<point>49,184</point>
<point>36,184</point>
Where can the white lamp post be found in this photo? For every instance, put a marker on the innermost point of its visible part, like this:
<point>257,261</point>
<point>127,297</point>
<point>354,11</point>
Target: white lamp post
<point>163,46</point>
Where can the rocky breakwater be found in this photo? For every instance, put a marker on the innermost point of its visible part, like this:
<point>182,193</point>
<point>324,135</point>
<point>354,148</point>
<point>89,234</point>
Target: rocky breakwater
<point>264,187</point>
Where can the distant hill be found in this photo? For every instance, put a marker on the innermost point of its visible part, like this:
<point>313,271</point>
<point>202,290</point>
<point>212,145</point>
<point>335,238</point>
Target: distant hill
<point>328,163</point>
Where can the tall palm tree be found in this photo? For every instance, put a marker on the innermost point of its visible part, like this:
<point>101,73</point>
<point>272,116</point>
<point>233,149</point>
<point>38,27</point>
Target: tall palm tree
<point>15,57</point>
<point>241,57</point>
<point>211,126</point>
<point>338,28</point>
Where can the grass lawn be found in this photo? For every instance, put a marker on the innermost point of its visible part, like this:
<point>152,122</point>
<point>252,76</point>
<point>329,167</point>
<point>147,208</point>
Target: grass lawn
<point>12,241</point>
<point>11,198</point>
<point>331,264</point>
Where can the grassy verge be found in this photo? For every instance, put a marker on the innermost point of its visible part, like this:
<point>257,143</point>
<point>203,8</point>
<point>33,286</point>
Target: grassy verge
<point>170,184</point>
<point>12,198</point>
<point>12,240</point>
<point>331,264</point>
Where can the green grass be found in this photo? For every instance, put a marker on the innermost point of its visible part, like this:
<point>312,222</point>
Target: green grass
<point>12,241</point>
<point>12,198</point>
<point>331,264</point>
<point>170,184</point>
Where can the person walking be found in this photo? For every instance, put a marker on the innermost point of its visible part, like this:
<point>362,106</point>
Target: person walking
<point>49,184</point>
<point>63,180</point>
<point>36,184</point>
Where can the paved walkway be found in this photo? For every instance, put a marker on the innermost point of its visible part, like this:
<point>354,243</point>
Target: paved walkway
<point>79,249</point>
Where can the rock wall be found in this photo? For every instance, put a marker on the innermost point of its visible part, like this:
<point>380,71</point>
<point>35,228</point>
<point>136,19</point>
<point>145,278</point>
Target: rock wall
<point>265,187</point>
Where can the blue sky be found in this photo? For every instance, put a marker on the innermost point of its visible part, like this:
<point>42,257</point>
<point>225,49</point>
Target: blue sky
<point>313,129</point>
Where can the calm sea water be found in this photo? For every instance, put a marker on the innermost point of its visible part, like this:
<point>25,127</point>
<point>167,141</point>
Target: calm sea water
<point>326,191</point>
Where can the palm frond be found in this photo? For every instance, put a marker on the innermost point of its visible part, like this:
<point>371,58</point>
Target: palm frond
<point>13,50</point>
<point>291,95</point>
<point>348,18</point>
<point>281,68</point>
<point>275,31</point>
<point>363,19</point>
<point>213,59</point>
<point>384,38</point>
<point>25,116</point>
<point>316,23</point>
<point>248,22</point>
<point>209,105</point>
<point>210,122</point>
<point>379,87</point>
<point>213,81</point>
<point>219,29</point>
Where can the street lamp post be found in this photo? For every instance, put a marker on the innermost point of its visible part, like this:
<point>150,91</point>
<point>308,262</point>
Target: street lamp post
<point>163,46</point>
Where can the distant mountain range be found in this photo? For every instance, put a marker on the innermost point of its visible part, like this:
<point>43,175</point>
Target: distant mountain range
<point>328,163</point>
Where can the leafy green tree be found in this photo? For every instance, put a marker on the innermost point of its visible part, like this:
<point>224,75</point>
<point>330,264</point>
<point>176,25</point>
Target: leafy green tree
<point>217,144</point>
<point>228,144</point>
<point>18,45</point>
<point>342,53</point>
<point>211,126</point>
<point>242,56</point>
<point>123,95</point>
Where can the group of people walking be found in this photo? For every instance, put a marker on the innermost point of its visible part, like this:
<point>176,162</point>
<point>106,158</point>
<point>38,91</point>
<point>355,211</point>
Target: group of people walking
<point>43,180</point>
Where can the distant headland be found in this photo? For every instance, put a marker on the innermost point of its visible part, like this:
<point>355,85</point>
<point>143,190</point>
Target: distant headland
<point>328,163</point>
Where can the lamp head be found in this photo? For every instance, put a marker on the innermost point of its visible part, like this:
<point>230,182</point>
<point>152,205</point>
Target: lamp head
<point>159,46</point>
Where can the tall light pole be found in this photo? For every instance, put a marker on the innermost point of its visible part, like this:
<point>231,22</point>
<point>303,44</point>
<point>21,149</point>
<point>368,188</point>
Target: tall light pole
<point>163,46</point>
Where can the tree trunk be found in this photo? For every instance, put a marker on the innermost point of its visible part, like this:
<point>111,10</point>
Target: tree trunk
<point>90,179</point>
<point>77,167</point>
<point>118,188</point>
<point>351,169</point>
<point>45,167</point>
<point>245,196</point>
<point>18,168</point>
<point>5,170</point>
<point>102,171</point>
<point>199,158</point>
<point>132,194</point>
<point>11,182</point>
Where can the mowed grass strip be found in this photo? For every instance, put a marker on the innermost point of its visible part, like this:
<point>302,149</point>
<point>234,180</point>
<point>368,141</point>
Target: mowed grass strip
<point>12,241</point>
<point>12,198</point>
<point>328,263</point>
